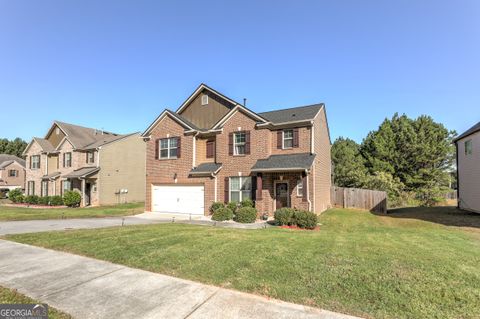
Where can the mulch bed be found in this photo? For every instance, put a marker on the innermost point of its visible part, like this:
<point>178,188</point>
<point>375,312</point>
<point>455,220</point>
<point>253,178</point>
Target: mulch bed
<point>34,206</point>
<point>298,228</point>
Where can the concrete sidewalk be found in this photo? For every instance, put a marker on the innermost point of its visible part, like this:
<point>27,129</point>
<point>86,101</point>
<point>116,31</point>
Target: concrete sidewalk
<point>90,288</point>
<point>34,226</point>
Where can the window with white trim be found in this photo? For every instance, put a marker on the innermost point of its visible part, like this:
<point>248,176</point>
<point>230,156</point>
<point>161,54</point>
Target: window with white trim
<point>240,188</point>
<point>239,141</point>
<point>468,147</point>
<point>299,188</point>
<point>44,191</point>
<point>67,159</point>
<point>287,139</point>
<point>13,173</point>
<point>66,186</point>
<point>31,188</point>
<point>204,99</point>
<point>35,161</point>
<point>90,157</point>
<point>168,148</point>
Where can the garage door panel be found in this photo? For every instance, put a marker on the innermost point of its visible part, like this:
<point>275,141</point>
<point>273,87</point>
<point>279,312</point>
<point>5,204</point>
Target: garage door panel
<point>178,199</point>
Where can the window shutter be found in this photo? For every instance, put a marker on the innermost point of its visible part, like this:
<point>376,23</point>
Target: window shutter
<point>295,137</point>
<point>230,144</point>
<point>259,186</point>
<point>63,159</point>
<point>254,188</point>
<point>86,157</point>
<point>210,149</point>
<point>93,157</point>
<point>39,161</point>
<point>304,190</point>
<point>247,142</point>
<point>179,147</point>
<point>30,162</point>
<point>157,141</point>
<point>279,139</point>
<point>227,189</point>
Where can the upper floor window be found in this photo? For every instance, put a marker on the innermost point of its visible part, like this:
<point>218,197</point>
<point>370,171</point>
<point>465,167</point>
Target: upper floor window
<point>35,161</point>
<point>13,173</point>
<point>468,147</point>
<point>204,99</point>
<point>239,141</point>
<point>169,147</point>
<point>210,149</point>
<point>287,139</point>
<point>90,157</point>
<point>240,188</point>
<point>67,159</point>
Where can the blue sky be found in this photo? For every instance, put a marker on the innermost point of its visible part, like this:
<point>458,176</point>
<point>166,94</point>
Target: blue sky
<point>117,64</point>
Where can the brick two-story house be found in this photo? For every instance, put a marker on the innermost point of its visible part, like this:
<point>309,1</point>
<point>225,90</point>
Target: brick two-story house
<point>106,168</point>
<point>215,149</point>
<point>12,172</point>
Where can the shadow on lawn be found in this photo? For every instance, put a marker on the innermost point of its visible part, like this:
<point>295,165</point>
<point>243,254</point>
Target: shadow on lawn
<point>445,215</point>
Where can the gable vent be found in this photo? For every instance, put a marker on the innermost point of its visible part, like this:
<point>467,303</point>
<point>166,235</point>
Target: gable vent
<point>204,99</point>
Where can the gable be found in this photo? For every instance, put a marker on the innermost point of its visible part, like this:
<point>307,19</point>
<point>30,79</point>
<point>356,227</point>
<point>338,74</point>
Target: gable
<point>205,116</point>
<point>55,135</point>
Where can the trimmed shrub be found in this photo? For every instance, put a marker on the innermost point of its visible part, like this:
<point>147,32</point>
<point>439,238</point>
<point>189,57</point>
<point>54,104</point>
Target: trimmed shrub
<point>245,215</point>
<point>222,213</point>
<point>56,200</point>
<point>20,199</point>
<point>305,219</point>
<point>15,194</point>
<point>45,200</point>
<point>284,216</point>
<point>32,199</point>
<point>215,206</point>
<point>232,206</point>
<point>247,203</point>
<point>72,198</point>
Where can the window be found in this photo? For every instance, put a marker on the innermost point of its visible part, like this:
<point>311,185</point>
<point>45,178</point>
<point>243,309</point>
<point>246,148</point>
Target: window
<point>67,159</point>
<point>35,161</point>
<point>31,188</point>
<point>299,188</point>
<point>204,99</point>
<point>239,143</point>
<point>44,191</point>
<point>240,188</point>
<point>66,186</point>
<point>210,149</point>
<point>287,139</point>
<point>13,173</point>
<point>468,147</point>
<point>90,157</point>
<point>169,147</point>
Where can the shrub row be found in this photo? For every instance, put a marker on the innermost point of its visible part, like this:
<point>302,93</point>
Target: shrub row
<point>292,217</point>
<point>243,212</point>
<point>70,198</point>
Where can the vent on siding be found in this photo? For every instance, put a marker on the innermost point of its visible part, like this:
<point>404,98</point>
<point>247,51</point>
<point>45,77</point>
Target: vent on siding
<point>204,99</point>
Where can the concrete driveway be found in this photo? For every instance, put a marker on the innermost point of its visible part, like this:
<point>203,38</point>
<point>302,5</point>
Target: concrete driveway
<point>34,226</point>
<point>90,288</point>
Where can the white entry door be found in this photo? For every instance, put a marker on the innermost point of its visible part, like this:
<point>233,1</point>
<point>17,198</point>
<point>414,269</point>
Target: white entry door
<point>179,199</point>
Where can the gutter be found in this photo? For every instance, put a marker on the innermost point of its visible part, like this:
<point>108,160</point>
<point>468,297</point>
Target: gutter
<point>458,176</point>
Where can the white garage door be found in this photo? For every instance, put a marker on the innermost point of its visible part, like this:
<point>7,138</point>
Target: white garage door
<point>178,199</point>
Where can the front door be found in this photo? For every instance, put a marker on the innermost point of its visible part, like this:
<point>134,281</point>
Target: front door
<point>281,195</point>
<point>88,188</point>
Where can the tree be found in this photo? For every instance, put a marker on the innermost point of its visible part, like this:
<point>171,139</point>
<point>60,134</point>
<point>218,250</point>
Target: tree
<point>349,165</point>
<point>14,147</point>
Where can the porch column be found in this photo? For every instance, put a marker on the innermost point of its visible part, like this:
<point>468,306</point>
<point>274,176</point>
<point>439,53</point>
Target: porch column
<point>259,186</point>
<point>83,192</point>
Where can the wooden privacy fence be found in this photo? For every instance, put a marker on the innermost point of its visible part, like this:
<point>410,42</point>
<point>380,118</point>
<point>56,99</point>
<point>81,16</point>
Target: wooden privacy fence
<point>374,201</point>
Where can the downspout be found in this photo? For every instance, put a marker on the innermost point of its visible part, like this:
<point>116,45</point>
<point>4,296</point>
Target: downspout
<point>97,184</point>
<point>308,192</point>
<point>215,191</point>
<point>312,134</point>
<point>194,157</point>
<point>458,177</point>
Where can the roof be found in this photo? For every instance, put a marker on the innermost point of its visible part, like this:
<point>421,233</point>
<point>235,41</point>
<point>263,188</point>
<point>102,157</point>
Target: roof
<point>82,172</point>
<point>198,90</point>
<point>470,131</point>
<point>301,113</point>
<point>51,175</point>
<point>44,144</point>
<point>206,168</point>
<point>86,138</point>
<point>7,159</point>
<point>181,118</point>
<point>287,162</point>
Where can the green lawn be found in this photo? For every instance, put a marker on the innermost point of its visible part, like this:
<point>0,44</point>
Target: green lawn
<point>358,263</point>
<point>10,296</point>
<point>22,213</point>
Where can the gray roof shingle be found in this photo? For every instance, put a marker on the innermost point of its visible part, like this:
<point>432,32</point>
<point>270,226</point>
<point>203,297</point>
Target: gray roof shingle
<point>284,162</point>
<point>301,113</point>
<point>4,158</point>
<point>468,132</point>
<point>82,172</point>
<point>44,144</point>
<point>206,168</point>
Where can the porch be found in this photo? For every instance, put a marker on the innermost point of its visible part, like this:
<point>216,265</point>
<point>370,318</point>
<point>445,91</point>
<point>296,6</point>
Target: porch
<point>83,180</point>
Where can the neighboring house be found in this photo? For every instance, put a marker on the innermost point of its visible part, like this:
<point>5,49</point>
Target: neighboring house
<point>215,149</point>
<point>12,172</point>
<point>468,169</point>
<point>106,168</point>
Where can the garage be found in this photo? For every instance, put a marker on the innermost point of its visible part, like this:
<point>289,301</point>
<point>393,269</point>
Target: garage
<point>178,199</point>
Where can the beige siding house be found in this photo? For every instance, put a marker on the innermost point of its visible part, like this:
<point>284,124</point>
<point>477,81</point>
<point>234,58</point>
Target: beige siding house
<point>105,168</point>
<point>215,149</point>
<point>468,169</point>
<point>12,172</point>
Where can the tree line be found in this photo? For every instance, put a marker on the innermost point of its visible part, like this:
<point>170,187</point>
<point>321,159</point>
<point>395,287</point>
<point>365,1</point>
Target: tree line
<point>411,159</point>
<point>12,147</point>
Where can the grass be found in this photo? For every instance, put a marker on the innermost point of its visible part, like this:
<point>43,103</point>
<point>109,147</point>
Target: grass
<point>22,213</point>
<point>11,296</point>
<point>358,263</point>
